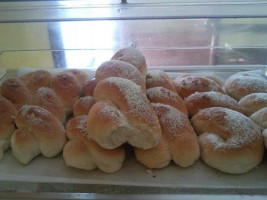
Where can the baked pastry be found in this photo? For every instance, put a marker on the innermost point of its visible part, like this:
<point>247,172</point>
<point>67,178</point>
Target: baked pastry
<point>84,153</point>
<point>81,76</point>
<point>83,105</point>
<point>242,84</point>
<point>118,68</point>
<point>36,79</point>
<point>187,85</point>
<point>129,117</point>
<point>39,131</point>
<point>260,117</point>
<point>67,88</point>
<point>159,78</point>
<point>201,100</point>
<point>46,98</point>
<point>229,141</point>
<point>264,134</point>
<point>7,124</point>
<point>133,56</point>
<point>253,102</point>
<point>179,141</point>
<point>89,87</point>
<point>15,91</point>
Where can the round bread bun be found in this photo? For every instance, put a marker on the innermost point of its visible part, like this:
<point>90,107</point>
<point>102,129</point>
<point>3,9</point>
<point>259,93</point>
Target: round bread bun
<point>242,84</point>
<point>67,88</point>
<point>179,141</point>
<point>201,100</point>
<point>159,78</point>
<point>7,124</point>
<point>187,85</point>
<point>133,56</point>
<point>229,141</point>
<point>40,128</point>
<point>83,105</point>
<point>36,79</point>
<point>260,117</point>
<point>15,91</point>
<point>89,87</point>
<point>167,97</point>
<point>253,102</point>
<point>84,153</point>
<point>46,98</point>
<point>118,68</point>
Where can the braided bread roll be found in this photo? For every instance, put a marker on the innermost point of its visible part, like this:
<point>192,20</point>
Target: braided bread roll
<point>83,105</point>
<point>84,153</point>
<point>7,124</point>
<point>229,141</point>
<point>132,118</point>
<point>39,131</point>
<point>179,141</point>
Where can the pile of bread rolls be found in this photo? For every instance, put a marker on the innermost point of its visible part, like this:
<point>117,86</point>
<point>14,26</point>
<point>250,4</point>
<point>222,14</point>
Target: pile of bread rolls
<point>90,119</point>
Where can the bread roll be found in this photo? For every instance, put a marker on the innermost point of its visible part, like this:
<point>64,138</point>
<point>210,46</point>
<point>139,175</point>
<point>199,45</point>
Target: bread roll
<point>89,87</point>
<point>83,153</point>
<point>264,134</point>
<point>143,129</point>
<point>185,86</point>
<point>117,68</point>
<point>229,141</point>
<point>242,84</point>
<point>81,76</point>
<point>133,56</point>
<point>83,105</point>
<point>159,79</point>
<point>260,117</point>
<point>36,79</point>
<point>67,88</point>
<point>41,127</point>
<point>7,124</point>
<point>201,100</point>
<point>15,91</point>
<point>46,98</point>
<point>253,102</point>
<point>167,97</point>
<point>179,141</point>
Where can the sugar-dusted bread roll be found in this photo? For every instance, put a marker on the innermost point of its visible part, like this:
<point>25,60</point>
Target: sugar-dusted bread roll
<point>83,105</point>
<point>15,91</point>
<point>159,78</point>
<point>260,117</point>
<point>7,124</point>
<point>253,102</point>
<point>81,76</point>
<point>89,87</point>
<point>84,153</point>
<point>131,118</point>
<point>179,141</point>
<point>187,85</point>
<point>36,79</point>
<point>67,88</point>
<point>118,68</point>
<point>201,100</point>
<point>46,98</point>
<point>242,84</point>
<point>167,97</point>
<point>133,56</point>
<point>38,131</point>
<point>229,141</point>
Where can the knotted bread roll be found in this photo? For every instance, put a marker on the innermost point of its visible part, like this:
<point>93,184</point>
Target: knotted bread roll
<point>229,141</point>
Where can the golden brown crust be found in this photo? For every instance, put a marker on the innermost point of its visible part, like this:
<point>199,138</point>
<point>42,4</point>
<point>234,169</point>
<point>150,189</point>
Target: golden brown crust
<point>15,91</point>
<point>81,76</point>
<point>83,105</point>
<point>187,85</point>
<point>229,141</point>
<point>67,89</point>
<point>118,68</point>
<point>46,98</point>
<point>133,56</point>
<point>36,79</point>
<point>89,87</point>
<point>201,100</point>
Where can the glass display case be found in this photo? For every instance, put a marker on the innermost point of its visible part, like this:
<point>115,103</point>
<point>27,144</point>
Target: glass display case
<point>220,36</point>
